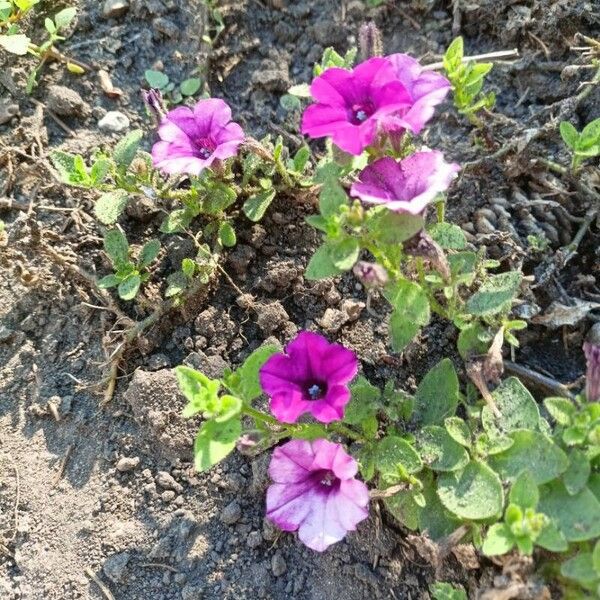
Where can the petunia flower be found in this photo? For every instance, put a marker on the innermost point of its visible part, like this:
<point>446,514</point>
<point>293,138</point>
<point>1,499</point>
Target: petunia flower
<point>191,140</point>
<point>314,492</point>
<point>426,89</point>
<point>351,103</point>
<point>591,349</point>
<point>309,377</point>
<point>408,185</point>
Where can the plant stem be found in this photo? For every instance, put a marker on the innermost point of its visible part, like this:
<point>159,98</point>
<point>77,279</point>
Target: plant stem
<point>258,415</point>
<point>440,208</point>
<point>343,430</point>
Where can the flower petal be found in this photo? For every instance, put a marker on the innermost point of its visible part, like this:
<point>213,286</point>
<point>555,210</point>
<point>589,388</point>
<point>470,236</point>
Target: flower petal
<point>211,114</point>
<point>288,505</point>
<point>338,365</point>
<point>331,407</point>
<point>291,463</point>
<point>351,504</point>
<point>321,527</point>
<point>288,406</point>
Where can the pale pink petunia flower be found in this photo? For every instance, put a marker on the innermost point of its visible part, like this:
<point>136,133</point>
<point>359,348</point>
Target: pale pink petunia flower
<point>315,492</point>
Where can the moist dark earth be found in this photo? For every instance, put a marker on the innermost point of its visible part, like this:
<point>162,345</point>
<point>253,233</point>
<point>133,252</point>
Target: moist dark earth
<point>96,493</point>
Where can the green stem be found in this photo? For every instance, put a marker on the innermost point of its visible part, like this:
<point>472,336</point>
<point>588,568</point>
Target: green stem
<point>343,430</point>
<point>258,415</point>
<point>440,208</point>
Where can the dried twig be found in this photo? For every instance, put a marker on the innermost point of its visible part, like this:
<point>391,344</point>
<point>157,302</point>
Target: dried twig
<point>63,466</point>
<point>160,566</point>
<point>537,379</point>
<point>514,53</point>
<point>107,593</point>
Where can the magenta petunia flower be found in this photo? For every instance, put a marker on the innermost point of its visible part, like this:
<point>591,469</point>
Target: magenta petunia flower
<point>591,349</point>
<point>309,377</point>
<point>350,103</point>
<point>314,491</point>
<point>408,185</point>
<point>191,140</point>
<point>427,89</point>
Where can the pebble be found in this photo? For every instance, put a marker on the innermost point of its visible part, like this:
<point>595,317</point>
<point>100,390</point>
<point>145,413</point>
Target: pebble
<point>231,513</point>
<point>115,567</point>
<point>278,564</point>
<point>6,334</point>
<point>115,8</point>
<point>168,496</point>
<point>128,463</point>
<point>352,308</point>
<point>333,319</point>
<point>165,480</point>
<point>8,110</point>
<point>114,121</point>
<point>64,101</point>
<point>254,539</point>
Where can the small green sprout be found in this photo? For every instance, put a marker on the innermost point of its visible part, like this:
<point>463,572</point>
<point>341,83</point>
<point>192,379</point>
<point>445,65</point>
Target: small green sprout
<point>175,94</point>
<point>467,81</point>
<point>128,275</point>
<point>446,591</point>
<point>584,144</point>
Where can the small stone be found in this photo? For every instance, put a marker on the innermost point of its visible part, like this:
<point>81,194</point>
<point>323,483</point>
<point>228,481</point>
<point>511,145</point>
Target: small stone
<point>64,101</point>
<point>254,539</point>
<point>115,567</point>
<point>6,334</point>
<point>270,531</point>
<point>168,496</point>
<point>332,320</point>
<point>128,463</point>
<point>179,578</point>
<point>114,121</point>
<point>115,8</point>
<point>278,564</point>
<point>270,317</point>
<point>352,308</point>
<point>8,110</point>
<point>165,480</point>
<point>231,514</point>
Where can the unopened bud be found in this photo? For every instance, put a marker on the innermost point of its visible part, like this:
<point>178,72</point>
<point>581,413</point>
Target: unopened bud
<point>153,101</point>
<point>371,275</point>
<point>591,349</point>
<point>369,40</point>
<point>422,244</point>
<point>247,444</point>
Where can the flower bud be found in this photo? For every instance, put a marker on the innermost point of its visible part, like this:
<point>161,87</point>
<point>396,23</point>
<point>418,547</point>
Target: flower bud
<point>369,41</point>
<point>591,349</point>
<point>371,275</point>
<point>247,444</point>
<point>153,101</point>
<point>421,244</point>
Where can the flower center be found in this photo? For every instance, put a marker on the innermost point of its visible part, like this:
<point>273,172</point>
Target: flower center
<point>327,478</point>
<point>204,148</point>
<point>359,113</point>
<point>315,390</point>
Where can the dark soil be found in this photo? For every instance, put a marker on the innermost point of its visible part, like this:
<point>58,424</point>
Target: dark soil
<point>109,489</point>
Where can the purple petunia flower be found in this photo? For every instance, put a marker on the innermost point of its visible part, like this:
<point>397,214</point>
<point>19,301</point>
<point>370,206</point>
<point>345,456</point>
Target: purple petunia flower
<point>350,103</point>
<point>310,377</point>
<point>191,140</point>
<point>591,349</point>
<point>408,185</point>
<point>314,491</point>
<point>426,89</point>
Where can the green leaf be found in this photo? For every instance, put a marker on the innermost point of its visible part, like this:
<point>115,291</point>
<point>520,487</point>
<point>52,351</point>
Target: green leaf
<point>49,25</point>
<point>17,43</point>
<point>590,136</point>
<point>569,134</point>
<point>188,267</point>
<point>301,159</point>
<point>434,519</point>
<point>552,539</point>
<point>446,591</point>
<point>129,287</point>
<point>394,452</point>
<point>344,253</point>
<point>290,102</point>
<point>227,235</point>
<point>227,406</point>
<point>437,395</point>
<point>156,79</point>
<point>454,55</point>
<point>580,568</point>
<point>109,281</point>
<point>495,294</point>
<point>499,540</point>
<point>364,401</point>
<point>64,163</point>
<point>215,441</point>
<point>531,451</point>
<point>331,198</point>
<point>596,557</point>
<point>256,206</point>
<point>524,491</point>
<point>321,265</point>
<point>200,391</point>
<point>189,87</point>
<point>560,409</point>
<point>149,253</point>
<point>127,148</point>
<point>404,508</point>
<point>64,17</point>
<point>109,206</point>
<point>439,451</point>
<point>99,171</point>
<point>116,247</point>
<point>517,407</point>
<point>458,430</point>
<point>577,474</point>
<point>487,445</point>
<point>249,387</point>
<point>176,220</point>
<point>473,493</point>
<point>411,312</point>
<point>473,340</point>
<point>389,227</point>
<point>220,197</point>
<point>176,284</point>
<point>448,236</point>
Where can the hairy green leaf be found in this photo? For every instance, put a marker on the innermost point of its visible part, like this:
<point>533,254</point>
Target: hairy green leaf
<point>109,206</point>
<point>436,397</point>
